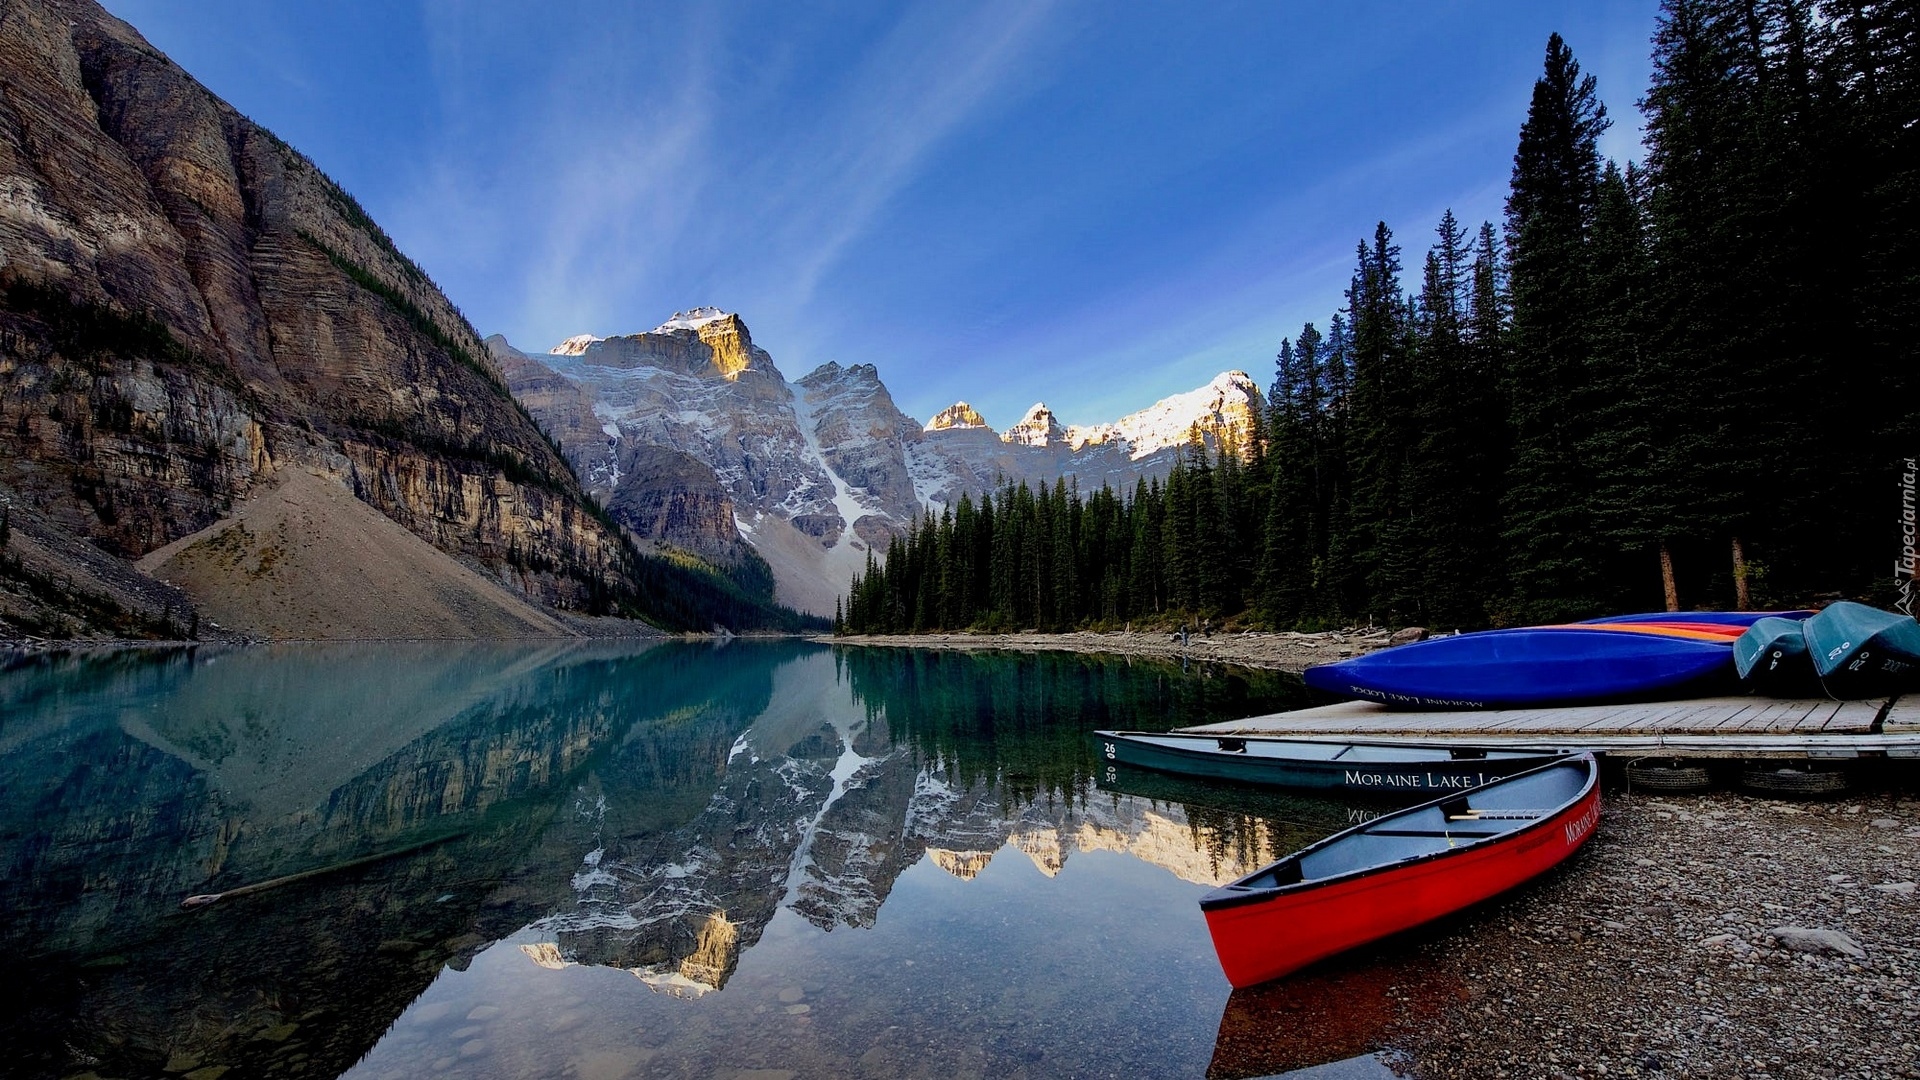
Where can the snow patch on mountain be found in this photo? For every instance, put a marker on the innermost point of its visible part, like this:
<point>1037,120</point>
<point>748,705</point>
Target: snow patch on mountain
<point>691,320</point>
<point>574,345</point>
<point>849,506</point>
<point>1037,428</point>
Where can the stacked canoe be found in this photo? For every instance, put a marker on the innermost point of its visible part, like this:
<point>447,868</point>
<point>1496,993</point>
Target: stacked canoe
<point>1847,651</point>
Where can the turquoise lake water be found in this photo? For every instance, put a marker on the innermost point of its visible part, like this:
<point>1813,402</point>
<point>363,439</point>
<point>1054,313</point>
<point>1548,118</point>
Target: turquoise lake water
<point>598,860</point>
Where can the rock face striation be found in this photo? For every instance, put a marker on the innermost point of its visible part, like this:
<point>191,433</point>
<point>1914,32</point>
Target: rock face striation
<point>188,306</point>
<point>690,436</point>
<point>818,472</point>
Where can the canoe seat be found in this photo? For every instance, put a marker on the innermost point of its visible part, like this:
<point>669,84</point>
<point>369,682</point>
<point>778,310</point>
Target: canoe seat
<point>1496,815</point>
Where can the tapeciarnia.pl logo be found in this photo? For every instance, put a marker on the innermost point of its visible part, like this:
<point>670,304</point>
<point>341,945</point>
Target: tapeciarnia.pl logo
<point>1903,568</point>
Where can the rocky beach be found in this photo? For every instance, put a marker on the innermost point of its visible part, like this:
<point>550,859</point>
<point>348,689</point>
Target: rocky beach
<point>1713,935</point>
<point>1285,651</point>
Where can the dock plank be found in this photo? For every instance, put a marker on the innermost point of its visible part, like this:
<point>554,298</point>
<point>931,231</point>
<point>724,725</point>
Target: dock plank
<point>1727,726</point>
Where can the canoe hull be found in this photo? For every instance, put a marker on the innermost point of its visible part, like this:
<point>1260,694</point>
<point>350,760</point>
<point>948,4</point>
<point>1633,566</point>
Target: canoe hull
<point>1771,658</point>
<point>1263,938</point>
<point>1863,652</point>
<point>1537,666</point>
<point>1418,778</point>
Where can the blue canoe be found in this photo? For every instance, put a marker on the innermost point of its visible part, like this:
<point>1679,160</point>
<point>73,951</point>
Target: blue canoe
<point>1676,654</point>
<point>1862,652</point>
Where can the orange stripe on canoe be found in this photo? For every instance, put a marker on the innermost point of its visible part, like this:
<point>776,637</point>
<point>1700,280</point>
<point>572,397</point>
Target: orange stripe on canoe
<point>1691,631</point>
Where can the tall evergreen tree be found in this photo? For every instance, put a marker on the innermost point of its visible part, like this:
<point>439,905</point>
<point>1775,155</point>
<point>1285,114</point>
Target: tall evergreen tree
<point>1380,431</point>
<point>1553,562</point>
<point>1454,466</point>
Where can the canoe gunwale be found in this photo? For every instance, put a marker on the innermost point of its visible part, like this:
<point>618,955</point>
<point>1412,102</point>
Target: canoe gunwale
<point>1509,754</point>
<point>1233,894</point>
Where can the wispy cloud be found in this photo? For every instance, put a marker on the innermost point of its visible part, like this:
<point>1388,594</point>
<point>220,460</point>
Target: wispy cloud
<point>637,172</point>
<point>920,84</point>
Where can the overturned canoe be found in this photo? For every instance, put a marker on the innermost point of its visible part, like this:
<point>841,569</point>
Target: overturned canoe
<point>1373,768</point>
<point>1401,870</point>
<point>1862,652</point>
<point>1571,664</point>
<point>1737,619</point>
<point>1771,658</point>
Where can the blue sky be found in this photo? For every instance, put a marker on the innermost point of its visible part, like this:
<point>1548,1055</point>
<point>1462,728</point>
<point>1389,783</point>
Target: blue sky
<point>1091,204</point>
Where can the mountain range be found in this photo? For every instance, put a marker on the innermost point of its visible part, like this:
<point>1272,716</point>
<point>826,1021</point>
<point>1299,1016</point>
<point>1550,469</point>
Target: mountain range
<point>691,437</point>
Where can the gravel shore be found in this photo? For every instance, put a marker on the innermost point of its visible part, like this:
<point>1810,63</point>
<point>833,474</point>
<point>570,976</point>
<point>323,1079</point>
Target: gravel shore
<point>1276,651</point>
<point>1670,948</point>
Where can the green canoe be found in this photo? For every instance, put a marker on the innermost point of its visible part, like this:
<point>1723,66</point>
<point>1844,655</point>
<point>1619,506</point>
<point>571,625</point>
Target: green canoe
<point>1863,652</point>
<point>1771,658</point>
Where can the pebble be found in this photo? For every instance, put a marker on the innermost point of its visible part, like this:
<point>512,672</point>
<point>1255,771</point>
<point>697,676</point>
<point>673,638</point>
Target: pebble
<point>610,1064</point>
<point>792,994</point>
<point>1803,939</point>
<point>473,1048</point>
<point>484,1013</point>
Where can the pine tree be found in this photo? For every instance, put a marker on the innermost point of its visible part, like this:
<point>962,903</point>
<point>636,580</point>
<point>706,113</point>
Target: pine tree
<point>1381,429</point>
<point>1548,535</point>
<point>1146,576</point>
<point>1455,464</point>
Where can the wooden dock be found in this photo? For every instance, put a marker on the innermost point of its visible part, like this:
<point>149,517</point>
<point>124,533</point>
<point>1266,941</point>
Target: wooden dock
<point>1703,727</point>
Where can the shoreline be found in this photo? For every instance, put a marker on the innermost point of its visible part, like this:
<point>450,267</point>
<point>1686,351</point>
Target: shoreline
<point>1665,949</point>
<point>1283,651</point>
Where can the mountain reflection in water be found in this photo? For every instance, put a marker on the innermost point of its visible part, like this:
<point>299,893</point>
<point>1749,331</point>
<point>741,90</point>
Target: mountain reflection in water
<point>885,862</point>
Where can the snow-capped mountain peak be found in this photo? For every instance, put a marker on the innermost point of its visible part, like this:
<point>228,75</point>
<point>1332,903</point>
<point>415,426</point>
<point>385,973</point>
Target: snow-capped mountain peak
<point>1222,407</point>
<point>1037,428</point>
<point>575,345</point>
<point>957,415</point>
<point>691,320</point>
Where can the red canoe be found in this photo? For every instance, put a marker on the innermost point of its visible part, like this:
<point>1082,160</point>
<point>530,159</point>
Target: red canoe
<point>1400,870</point>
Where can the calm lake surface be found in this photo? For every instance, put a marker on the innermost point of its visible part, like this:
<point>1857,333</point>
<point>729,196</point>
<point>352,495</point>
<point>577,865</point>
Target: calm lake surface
<point>606,860</point>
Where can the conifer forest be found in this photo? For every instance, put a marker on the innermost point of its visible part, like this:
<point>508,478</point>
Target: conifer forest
<point>1686,382</point>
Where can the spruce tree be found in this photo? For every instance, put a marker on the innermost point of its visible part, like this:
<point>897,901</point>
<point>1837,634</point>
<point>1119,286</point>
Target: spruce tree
<point>1548,530</point>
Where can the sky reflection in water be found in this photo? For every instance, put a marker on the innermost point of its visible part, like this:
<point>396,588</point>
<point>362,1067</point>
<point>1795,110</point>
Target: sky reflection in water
<point>756,861</point>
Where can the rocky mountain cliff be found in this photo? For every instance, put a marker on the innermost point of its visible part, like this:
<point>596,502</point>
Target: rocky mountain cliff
<point>188,307</point>
<point>681,429</point>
